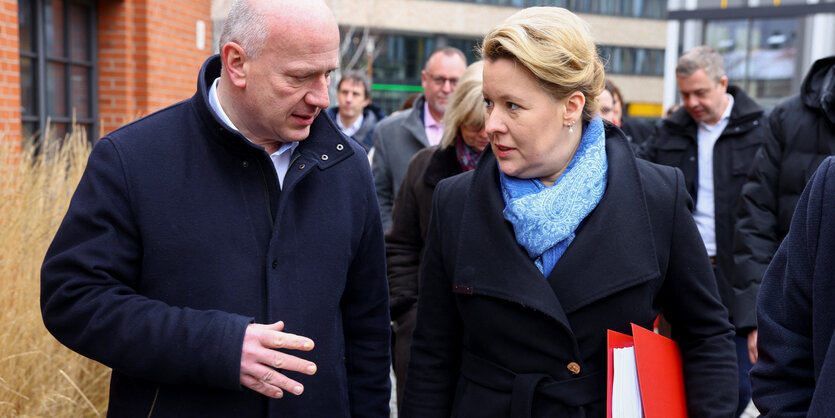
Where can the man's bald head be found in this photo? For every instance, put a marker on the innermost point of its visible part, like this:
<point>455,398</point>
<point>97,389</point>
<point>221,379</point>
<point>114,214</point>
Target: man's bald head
<point>250,23</point>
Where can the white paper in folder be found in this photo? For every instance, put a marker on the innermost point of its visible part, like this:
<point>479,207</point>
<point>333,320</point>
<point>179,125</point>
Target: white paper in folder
<point>626,393</point>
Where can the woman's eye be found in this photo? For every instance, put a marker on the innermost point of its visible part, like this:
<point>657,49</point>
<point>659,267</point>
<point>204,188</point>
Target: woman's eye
<point>512,106</point>
<point>488,102</point>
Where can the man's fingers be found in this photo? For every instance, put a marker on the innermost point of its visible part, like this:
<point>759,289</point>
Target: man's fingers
<point>262,387</point>
<point>284,361</point>
<point>286,340</point>
<point>272,383</point>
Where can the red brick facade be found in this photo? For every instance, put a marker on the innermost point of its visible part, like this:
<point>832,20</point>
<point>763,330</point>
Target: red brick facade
<point>10,127</point>
<point>148,58</point>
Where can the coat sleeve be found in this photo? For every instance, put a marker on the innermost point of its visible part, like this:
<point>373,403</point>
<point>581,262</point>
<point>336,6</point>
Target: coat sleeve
<point>382,175</point>
<point>690,302</point>
<point>365,321</point>
<point>436,347</point>
<point>404,243</point>
<point>91,303</point>
<point>756,239</point>
<point>783,379</point>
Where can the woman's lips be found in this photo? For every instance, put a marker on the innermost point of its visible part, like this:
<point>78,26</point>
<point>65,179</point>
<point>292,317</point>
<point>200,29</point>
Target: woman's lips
<point>502,151</point>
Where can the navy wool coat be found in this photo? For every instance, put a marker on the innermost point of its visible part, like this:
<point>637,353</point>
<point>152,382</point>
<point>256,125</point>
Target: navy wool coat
<point>494,338</point>
<point>178,236</point>
<point>795,373</point>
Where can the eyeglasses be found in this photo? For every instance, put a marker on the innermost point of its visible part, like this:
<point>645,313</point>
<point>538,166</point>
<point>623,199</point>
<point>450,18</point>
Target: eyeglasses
<point>440,80</point>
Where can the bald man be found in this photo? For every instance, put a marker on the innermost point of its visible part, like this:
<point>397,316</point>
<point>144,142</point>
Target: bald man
<point>225,255</point>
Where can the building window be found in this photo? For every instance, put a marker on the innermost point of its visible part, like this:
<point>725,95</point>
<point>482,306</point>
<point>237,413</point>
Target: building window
<point>397,61</point>
<point>760,55</point>
<point>632,61</point>
<point>653,9</point>
<point>58,67</point>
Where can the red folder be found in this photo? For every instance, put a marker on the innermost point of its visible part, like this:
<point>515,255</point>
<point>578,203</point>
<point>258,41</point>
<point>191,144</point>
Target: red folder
<point>660,376</point>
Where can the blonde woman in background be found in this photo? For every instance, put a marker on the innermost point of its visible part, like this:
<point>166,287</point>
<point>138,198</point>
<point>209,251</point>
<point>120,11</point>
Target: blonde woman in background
<point>558,235</point>
<point>461,145</point>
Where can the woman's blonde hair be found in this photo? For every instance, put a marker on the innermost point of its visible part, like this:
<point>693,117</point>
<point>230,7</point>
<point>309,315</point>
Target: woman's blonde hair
<point>466,107</point>
<point>556,46</point>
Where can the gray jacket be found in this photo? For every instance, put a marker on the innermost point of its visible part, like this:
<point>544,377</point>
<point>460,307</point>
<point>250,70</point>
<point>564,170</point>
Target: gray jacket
<point>396,139</point>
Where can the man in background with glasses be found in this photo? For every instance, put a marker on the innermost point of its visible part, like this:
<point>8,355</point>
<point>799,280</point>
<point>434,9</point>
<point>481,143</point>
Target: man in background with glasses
<point>399,137</point>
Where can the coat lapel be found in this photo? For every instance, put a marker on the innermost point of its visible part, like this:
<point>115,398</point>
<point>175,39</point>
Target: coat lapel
<point>614,248</point>
<point>505,271</point>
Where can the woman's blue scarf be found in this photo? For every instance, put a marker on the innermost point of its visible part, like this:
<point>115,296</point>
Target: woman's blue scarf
<point>545,218</point>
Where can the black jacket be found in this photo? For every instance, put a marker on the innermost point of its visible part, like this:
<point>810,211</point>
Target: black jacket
<point>495,338</point>
<point>178,236</point>
<point>404,243</point>
<point>675,143</point>
<point>801,135</point>
<point>371,114</point>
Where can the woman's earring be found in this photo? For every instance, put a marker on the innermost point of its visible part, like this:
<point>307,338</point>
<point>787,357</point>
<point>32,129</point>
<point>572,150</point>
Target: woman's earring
<point>571,127</point>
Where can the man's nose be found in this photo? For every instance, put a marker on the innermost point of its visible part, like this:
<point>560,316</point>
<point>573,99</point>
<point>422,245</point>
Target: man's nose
<point>318,95</point>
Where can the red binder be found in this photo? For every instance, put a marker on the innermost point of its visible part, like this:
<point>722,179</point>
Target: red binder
<point>660,376</point>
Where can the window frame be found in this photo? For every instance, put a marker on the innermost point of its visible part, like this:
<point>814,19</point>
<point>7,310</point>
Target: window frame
<point>41,59</point>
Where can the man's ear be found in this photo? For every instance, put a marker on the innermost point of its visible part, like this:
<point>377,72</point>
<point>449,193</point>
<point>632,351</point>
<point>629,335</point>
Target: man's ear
<point>234,63</point>
<point>723,83</point>
<point>574,105</point>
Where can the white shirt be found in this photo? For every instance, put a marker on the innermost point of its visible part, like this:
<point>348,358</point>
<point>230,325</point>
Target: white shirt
<point>704,214</point>
<point>434,129</point>
<point>349,130</point>
<point>280,158</point>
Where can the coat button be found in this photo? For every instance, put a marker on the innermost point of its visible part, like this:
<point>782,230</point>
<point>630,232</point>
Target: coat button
<point>573,367</point>
<point>301,166</point>
<point>339,147</point>
<point>324,157</point>
<point>245,164</point>
<point>275,264</point>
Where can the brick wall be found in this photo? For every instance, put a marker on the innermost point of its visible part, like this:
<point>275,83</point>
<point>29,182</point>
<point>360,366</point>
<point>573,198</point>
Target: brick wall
<point>148,55</point>
<point>10,126</point>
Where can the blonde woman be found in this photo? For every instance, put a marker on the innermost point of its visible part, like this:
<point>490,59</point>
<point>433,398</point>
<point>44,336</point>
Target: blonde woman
<point>558,235</point>
<point>461,145</point>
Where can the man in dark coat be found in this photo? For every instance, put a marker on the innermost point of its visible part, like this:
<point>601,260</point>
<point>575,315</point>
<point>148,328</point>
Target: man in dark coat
<point>712,139</point>
<point>210,246</point>
<point>795,373</point>
<point>801,135</point>
<point>356,116</point>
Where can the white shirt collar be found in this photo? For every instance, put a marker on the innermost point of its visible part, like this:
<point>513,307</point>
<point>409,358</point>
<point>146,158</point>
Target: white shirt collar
<point>280,158</point>
<point>349,130</point>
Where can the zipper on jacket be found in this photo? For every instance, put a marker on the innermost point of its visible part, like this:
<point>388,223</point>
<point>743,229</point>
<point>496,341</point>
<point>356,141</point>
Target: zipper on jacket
<point>153,403</point>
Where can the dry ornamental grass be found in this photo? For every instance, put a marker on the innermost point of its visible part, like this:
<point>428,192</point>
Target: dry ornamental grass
<point>39,376</point>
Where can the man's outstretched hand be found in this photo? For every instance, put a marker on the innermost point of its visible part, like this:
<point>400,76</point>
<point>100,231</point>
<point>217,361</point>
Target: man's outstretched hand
<point>261,363</point>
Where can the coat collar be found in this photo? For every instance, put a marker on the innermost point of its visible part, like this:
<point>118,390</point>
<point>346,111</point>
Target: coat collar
<point>613,249</point>
<point>414,121</point>
<point>324,147</point>
<point>442,164</point>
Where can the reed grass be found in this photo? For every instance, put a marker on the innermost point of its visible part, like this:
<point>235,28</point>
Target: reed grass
<point>39,377</point>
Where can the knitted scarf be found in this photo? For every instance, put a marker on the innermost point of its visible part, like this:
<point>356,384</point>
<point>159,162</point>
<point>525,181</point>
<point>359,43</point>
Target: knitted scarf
<point>544,218</point>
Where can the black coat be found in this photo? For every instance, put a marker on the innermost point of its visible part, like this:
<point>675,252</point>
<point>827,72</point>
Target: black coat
<point>179,236</point>
<point>675,143</point>
<point>404,243</point>
<point>495,338</point>
<point>801,135</point>
<point>795,373</point>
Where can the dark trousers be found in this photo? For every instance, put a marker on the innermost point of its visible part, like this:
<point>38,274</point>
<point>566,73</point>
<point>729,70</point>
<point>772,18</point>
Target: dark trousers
<point>744,369</point>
